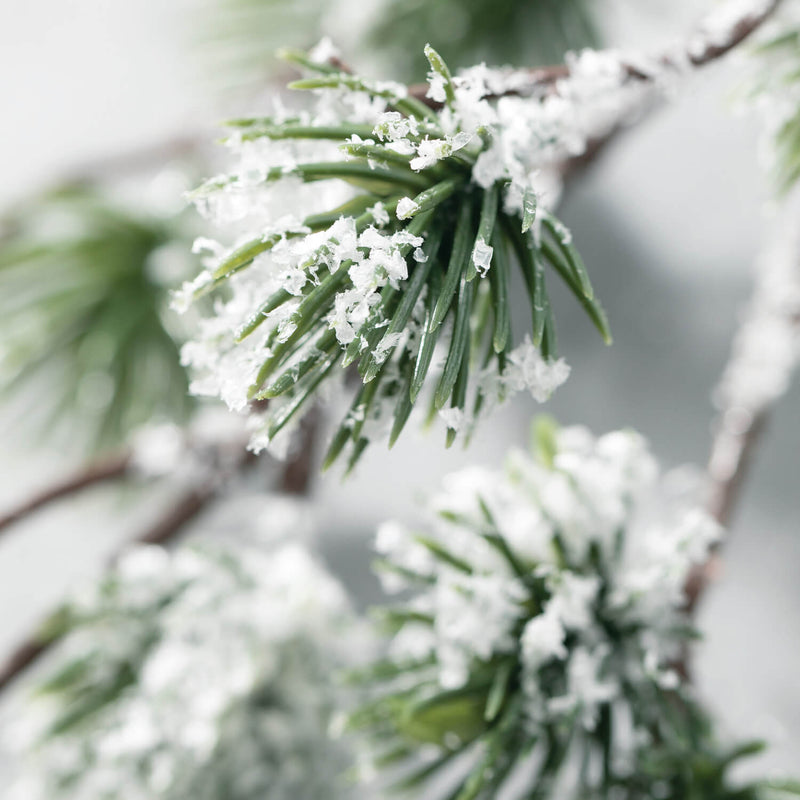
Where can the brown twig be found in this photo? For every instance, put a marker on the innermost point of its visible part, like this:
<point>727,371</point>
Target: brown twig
<point>189,505</point>
<point>731,455</point>
<point>707,49</point>
<point>299,468</point>
<point>730,462</point>
<point>112,468</point>
<point>28,651</point>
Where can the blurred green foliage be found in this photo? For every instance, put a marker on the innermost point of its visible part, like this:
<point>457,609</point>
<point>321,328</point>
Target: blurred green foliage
<point>84,340</point>
<point>237,39</point>
<point>467,32</point>
<point>240,37</point>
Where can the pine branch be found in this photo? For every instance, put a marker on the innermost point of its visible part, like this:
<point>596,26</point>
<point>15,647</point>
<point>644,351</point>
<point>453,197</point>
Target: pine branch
<point>155,155</point>
<point>715,37</point>
<point>708,44</point>
<point>79,267</point>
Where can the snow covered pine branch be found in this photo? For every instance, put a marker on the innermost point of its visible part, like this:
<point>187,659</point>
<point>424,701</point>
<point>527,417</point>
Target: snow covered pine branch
<point>535,654</point>
<point>765,355</point>
<point>547,614</point>
<point>428,207</point>
<point>387,230</point>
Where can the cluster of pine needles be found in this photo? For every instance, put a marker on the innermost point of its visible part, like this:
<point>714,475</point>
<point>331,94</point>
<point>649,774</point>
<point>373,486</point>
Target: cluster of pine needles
<point>455,217</point>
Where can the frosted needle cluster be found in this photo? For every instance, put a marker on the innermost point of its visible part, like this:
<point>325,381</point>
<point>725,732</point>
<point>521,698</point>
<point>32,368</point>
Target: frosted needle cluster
<point>383,231</point>
<point>546,612</point>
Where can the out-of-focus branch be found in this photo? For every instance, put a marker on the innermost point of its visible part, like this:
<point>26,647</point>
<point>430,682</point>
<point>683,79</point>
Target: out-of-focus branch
<point>181,511</point>
<point>732,446</point>
<point>108,469</point>
<point>139,160</point>
<point>722,31</point>
<point>734,443</point>
<point>294,478</point>
<point>298,470</point>
<point>726,28</point>
<point>765,353</point>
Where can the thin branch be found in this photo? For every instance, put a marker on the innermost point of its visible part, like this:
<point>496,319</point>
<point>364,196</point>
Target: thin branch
<point>709,45</point>
<point>731,457</point>
<point>719,34</point>
<point>764,356</point>
<point>705,46</point>
<point>108,469</point>
<point>151,156</point>
<point>189,505</point>
<point>180,513</point>
<point>735,446</point>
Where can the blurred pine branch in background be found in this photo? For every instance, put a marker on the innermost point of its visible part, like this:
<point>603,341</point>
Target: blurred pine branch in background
<point>86,343</point>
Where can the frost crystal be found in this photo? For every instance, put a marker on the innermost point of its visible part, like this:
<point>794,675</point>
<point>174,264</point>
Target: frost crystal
<point>528,370</point>
<point>406,208</point>
<point>482,256</point>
